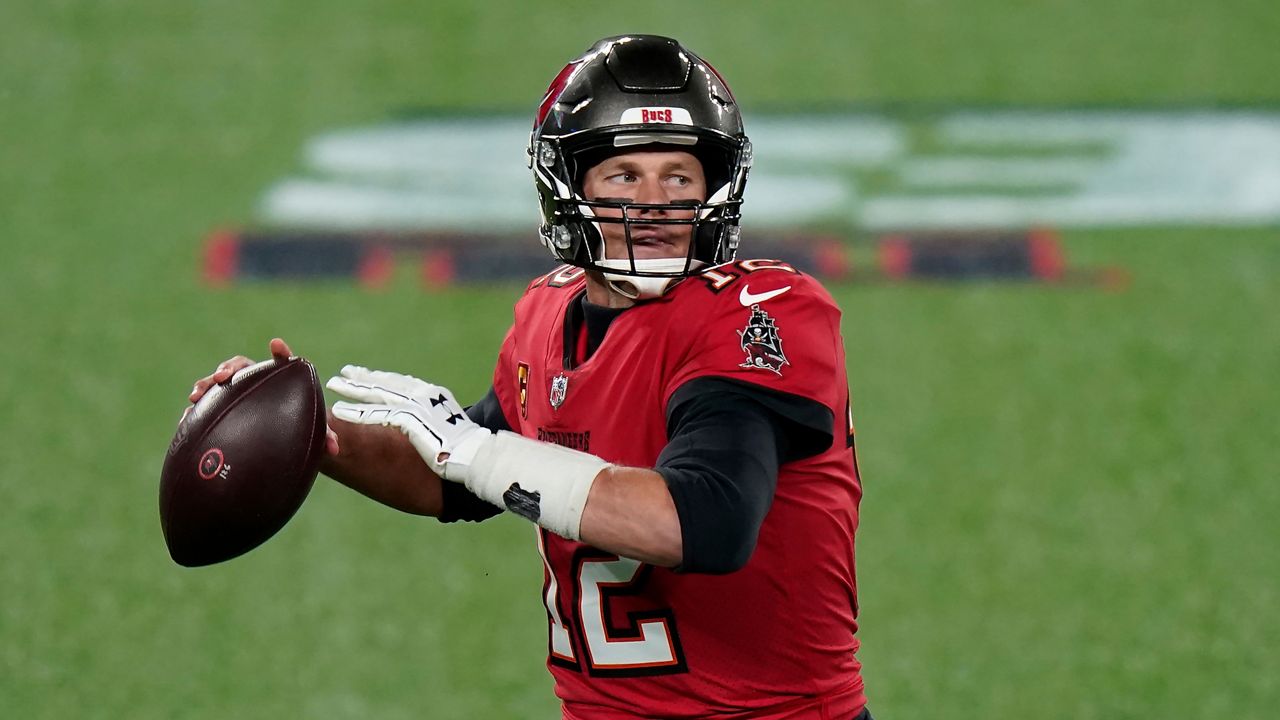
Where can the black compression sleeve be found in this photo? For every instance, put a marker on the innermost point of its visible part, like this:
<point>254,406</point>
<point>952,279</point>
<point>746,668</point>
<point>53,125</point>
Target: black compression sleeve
<point>721,466</point>
<point>458,502</point>
<point>487,412</point>
<point>805,426</point>
<point>727,441</point>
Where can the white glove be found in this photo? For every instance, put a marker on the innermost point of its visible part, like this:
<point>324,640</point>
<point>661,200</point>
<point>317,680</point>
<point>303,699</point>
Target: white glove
<point>428,414</point>
<point>545,483</point>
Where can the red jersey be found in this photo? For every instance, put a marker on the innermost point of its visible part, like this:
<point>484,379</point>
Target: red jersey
<point>775,639</point>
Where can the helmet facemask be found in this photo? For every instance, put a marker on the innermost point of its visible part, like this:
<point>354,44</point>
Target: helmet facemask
<point>574,231</point>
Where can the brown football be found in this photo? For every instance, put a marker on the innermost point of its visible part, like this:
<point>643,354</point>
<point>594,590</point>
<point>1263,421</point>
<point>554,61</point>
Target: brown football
<point>242,462</point>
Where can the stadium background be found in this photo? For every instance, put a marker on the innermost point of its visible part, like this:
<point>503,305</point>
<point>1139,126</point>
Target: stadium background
<point>1068,491</point>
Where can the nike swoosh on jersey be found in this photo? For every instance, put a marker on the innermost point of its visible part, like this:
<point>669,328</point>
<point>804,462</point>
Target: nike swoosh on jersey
<point>748,298</point>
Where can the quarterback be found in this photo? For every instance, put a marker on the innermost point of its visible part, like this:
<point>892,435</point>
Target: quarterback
<point>674,419</point>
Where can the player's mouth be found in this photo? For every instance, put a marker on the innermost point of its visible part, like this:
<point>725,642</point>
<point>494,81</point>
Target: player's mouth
<point>653,241</point>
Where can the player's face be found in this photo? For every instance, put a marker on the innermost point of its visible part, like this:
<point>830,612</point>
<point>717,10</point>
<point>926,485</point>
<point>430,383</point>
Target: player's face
<point>651,177</point>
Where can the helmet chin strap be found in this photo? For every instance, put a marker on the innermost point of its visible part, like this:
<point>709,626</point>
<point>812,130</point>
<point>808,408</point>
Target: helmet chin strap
<point>635,287</point>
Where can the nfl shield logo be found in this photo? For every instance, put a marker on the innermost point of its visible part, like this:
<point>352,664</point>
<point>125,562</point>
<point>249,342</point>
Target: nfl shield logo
<point>559,386</point>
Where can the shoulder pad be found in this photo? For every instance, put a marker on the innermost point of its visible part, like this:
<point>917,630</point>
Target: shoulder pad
<point>562,276</point>
<point>753,281</point>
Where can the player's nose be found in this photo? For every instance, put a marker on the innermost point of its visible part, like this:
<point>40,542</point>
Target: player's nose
<point>652,192</point>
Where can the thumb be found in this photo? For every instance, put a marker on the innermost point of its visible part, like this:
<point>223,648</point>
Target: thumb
<point>280,349</point>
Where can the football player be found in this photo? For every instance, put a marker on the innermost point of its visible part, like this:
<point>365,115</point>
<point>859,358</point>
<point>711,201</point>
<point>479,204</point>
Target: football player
<point>675,420</point>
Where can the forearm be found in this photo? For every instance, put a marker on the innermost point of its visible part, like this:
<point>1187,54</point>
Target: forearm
<point>380,463</point>
<point>630,512</point>
<point>624,510</point>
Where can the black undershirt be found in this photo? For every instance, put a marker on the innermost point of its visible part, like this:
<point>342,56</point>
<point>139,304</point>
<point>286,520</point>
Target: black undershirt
<point>597,318</point>
<point>726,441</point>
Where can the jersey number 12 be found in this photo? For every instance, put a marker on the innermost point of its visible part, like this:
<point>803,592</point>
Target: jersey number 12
<point>647,645</point>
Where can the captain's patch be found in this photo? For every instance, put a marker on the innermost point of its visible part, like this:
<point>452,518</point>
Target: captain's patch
<point>522,377</point>
<point>761,343</point>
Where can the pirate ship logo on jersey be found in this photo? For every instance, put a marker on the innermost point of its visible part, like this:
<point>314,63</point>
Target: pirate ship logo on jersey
<point>761,343</point>
<point>559,388</point>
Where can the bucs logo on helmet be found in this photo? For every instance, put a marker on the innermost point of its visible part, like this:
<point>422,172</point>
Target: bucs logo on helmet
<point>761,343</point>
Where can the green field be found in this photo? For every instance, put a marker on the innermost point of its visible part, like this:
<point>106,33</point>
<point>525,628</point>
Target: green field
<point>1067,490</point>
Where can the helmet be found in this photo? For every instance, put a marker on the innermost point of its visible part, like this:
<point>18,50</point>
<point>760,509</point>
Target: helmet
<point>627,93</point>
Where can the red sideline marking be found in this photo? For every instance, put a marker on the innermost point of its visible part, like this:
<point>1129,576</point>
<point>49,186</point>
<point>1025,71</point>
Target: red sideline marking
<point>895,256</point>
<point>221,257</point>
<point>1047,260</point>
<point>437,268</point>
<point>831,259</point>
<point>376,267</point>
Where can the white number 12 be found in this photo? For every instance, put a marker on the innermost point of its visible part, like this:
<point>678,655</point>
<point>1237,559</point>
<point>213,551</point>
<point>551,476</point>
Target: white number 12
<point>649,646</point>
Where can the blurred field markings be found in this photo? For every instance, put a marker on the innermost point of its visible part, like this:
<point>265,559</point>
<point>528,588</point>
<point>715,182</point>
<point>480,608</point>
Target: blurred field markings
<point>958,172</point>
<point>445,259</point>
<point>860,171</point>
<point>442,258</point>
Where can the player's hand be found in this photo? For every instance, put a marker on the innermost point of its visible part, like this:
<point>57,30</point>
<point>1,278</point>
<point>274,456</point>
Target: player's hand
<point>428,414</point>
<point>279,350</point>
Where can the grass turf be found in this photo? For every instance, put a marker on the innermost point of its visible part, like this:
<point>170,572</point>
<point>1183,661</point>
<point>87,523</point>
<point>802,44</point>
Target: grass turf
<point>1068,491</point>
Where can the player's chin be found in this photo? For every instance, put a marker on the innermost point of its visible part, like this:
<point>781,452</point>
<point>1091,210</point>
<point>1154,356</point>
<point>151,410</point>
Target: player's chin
<point>655,253</point>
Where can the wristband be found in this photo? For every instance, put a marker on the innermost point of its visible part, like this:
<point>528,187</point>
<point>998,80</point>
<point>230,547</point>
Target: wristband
<point>545,483</point>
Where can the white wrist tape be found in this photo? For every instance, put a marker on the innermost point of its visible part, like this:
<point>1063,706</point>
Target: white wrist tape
<point>545,483</point>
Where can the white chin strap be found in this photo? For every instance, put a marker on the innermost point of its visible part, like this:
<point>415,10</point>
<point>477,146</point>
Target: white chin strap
<point>644,288</point>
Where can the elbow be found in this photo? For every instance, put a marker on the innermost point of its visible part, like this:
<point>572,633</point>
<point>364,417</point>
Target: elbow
<point>720,520</point>
<point>731,554</point>
<point>736,557</point>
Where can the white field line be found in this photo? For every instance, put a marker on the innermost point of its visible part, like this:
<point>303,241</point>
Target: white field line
<point>470,173</point>
<point>985,171</point>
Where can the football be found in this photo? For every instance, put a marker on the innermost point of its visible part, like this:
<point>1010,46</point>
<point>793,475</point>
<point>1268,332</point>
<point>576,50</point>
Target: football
<point>242,462</point>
